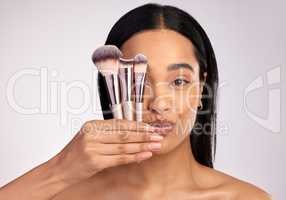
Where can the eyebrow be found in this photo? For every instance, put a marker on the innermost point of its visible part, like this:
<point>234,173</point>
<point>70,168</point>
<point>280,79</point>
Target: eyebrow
<point>175,66</point>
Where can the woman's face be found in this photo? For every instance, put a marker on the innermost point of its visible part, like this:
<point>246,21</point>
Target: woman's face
<point>172,90</point>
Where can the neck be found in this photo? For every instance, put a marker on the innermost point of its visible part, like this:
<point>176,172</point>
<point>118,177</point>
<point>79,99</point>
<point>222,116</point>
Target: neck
<point>175,169</point>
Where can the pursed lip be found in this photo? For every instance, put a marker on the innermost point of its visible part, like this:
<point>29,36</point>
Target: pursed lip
<point>163,127</point>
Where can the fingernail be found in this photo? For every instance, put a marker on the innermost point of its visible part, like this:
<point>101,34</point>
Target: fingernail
<point>156,137</point>
<point>151,128</point>
<point>155,146</point>
<point>145,155</point>
<point>162,129</point>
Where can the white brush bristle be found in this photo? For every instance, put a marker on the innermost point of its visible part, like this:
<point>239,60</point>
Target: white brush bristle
<point>140,63</point>
<point>109,66</point>
<point>106,59</point>
<point>140,68</point>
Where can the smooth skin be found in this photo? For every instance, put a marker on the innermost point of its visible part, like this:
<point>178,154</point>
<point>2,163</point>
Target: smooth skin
<point>100,144</point>
<point>172,94</point>
<point>105,160</point>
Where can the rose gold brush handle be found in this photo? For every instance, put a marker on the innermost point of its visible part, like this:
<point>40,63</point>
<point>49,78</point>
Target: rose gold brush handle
<point>128,110</point>
<point>117,111</point>
<point>139,111</point>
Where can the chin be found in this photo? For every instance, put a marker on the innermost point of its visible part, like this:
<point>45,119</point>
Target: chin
<point>170,143</point>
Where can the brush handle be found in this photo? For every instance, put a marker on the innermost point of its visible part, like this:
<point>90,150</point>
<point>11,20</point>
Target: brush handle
<point>128,110</point>
<point>117,111</point>
<point>139,111</point>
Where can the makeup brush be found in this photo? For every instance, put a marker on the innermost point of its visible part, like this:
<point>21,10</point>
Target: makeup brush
<point>126,79</point>
<point>106,59</point>
<point>140,67</point>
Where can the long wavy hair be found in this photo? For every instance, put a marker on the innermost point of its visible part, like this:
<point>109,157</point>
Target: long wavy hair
<point>156,16</point>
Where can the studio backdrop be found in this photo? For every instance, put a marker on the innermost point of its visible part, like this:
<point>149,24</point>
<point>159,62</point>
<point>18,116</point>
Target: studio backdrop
<point>48,81</point>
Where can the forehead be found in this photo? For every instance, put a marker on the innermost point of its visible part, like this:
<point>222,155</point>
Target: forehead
<point>161,46</point>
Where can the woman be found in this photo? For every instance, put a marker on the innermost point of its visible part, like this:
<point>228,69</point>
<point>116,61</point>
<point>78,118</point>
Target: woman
<point>158,158</point>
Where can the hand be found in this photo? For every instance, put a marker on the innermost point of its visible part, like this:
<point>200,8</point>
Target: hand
<point>102,144</point>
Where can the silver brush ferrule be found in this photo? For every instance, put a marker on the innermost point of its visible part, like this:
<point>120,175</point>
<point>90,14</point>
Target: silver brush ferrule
<point>139,86</point>
<point>111,81</point>
<point>126,77</point>
<point>112,85</point>
<point>139,93</point>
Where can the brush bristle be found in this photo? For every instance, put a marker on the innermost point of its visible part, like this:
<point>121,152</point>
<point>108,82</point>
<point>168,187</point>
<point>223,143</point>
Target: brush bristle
<point>106,58</point>
<point>109,66</point>
<point>140,59</point>
<point>106,52</point>
<point>140,63</point>
<point>125,63</point>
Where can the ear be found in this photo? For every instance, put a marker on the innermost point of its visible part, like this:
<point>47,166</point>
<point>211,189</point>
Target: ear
<point>202,84</point>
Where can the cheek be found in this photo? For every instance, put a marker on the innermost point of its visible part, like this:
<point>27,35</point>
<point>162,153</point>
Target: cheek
<point>186,107</point>
<point>186,101</point>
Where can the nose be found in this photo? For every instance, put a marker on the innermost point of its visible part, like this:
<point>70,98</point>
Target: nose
<point>160,105</point>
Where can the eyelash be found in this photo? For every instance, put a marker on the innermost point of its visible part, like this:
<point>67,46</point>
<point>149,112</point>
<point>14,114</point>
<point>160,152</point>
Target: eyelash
<point>147,83</point>
<point>184,82</point>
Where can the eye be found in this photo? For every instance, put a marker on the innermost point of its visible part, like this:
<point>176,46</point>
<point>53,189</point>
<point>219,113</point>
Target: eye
<point>178,82</point>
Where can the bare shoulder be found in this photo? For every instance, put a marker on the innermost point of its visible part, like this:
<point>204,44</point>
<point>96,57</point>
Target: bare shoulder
<point>248,191</point>
<point>239,189</point>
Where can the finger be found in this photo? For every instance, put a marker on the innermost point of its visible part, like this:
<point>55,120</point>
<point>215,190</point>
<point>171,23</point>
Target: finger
<point>130,148</point>
<point>121,125</point>
<point>115,160</point>
<point>127,137</point>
